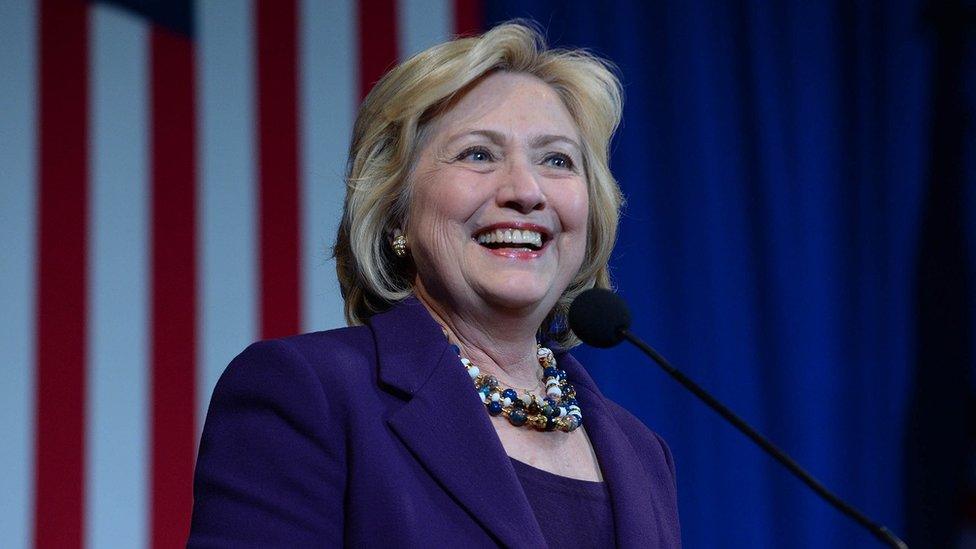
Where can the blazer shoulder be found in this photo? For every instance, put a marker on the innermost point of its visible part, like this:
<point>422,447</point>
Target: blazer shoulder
<point>339,352</point>
<point>347,347</point>
<point>649,445</point>
<point>271,469</point>
<point>335,361</point>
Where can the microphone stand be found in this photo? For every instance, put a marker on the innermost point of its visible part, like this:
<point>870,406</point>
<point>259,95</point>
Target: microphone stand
<point>879,531</point>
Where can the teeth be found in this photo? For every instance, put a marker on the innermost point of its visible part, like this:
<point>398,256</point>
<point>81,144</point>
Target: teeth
<point>511,236</point>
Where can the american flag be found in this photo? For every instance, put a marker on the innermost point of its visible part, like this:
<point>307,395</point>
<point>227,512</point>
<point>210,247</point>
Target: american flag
<point>171,179</point>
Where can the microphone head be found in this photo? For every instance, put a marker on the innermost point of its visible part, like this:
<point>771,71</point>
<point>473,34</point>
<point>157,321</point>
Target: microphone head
<point>597,316</point>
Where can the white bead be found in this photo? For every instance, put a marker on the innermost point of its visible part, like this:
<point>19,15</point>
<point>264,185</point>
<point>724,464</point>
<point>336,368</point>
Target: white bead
<point>473,372</point>
<point>526,399</point>
<point>466,362</point>
<point>554,392</point>
<point>506,402</point>
<point>562,411</point>
<point>552,382</point>
<point>495,397</point>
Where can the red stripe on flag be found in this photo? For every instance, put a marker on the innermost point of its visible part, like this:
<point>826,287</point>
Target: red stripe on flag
<point>173,377</point>
<point>62,274</point>
<point>277,31</point>
<point>377,41</point>
<point>468,17</point>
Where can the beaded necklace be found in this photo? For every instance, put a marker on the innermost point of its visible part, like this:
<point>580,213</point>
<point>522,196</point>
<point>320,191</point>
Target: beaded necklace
<point>559,410</point>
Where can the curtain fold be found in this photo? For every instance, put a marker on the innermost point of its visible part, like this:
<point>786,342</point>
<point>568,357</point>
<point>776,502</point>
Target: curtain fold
<point>776,159</point>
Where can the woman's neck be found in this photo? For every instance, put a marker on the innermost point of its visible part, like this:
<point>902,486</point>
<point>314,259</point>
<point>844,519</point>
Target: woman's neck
<point>500,345</point>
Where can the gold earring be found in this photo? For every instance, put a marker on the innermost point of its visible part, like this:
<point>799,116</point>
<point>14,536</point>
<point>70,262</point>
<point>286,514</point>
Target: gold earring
<point>399,243</point>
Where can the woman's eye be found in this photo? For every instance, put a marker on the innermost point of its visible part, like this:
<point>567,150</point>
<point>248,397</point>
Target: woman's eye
<point>559,161</point>
<point>476,154</point>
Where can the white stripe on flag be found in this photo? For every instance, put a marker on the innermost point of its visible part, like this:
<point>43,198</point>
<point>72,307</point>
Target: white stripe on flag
<point>118,322</point>
<point>18,190</point>
<point>327,104</point>
<point>423,23</point>
<point>228,224</point>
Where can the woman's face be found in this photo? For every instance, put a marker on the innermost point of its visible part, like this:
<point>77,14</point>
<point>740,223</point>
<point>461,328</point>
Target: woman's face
<point>499,203</point>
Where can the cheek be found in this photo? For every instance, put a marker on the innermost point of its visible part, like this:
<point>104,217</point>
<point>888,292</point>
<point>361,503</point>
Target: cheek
<point>573,207</point>
<point>574,210</point>
<point>447,194</point>
<point>438,211</point>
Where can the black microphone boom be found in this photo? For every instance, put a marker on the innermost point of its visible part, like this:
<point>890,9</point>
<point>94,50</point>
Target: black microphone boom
<point>600,318</point>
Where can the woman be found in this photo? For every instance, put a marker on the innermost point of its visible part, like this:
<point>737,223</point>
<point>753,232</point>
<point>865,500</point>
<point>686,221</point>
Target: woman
<point>479,204</point>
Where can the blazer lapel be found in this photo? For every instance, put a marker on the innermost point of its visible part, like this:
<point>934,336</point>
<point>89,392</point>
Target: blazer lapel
<point>636,520</point>
<point>446,427</point>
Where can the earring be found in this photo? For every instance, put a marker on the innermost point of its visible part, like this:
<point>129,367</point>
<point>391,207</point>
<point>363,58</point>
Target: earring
<point>399,243</point>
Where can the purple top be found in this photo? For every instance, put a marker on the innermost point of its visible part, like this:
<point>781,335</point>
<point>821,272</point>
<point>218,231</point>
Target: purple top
<point>373,436</point>
<point>571,512</point>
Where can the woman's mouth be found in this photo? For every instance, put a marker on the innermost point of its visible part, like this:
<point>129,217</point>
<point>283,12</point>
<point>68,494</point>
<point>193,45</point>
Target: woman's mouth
<point>511,238</point>
<point>513,241</point>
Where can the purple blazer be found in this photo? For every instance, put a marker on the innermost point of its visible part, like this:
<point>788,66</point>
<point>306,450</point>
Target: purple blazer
<point>373,436</point>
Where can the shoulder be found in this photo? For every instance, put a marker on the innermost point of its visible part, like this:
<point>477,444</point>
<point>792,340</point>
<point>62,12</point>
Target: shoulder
<point>329,355</point>
<point>352,345</point>
<point>650,446</point>
<point>312,371</point>
<point>271,467</point>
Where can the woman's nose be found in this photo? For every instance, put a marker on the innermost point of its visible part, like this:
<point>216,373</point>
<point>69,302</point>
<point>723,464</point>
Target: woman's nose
<point>520,189</point>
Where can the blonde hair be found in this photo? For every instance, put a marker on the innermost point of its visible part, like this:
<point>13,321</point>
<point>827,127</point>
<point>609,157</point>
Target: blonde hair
<point>390,128</point>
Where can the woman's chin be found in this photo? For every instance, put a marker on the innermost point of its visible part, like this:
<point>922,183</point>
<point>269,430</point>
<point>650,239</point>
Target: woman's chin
<point>522,298</point>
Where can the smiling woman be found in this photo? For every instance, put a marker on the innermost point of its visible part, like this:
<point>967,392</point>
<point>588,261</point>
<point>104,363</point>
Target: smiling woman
<point>479,204</point>
<point>514,172</point>
<point>401,116</point>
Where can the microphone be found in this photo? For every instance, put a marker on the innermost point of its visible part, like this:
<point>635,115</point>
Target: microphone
<point>601,318</point>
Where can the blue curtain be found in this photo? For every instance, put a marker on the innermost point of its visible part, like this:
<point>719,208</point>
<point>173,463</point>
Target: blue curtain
<point>779,162</point>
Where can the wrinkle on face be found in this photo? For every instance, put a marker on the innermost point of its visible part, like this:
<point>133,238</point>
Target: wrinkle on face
<point>520,122</point>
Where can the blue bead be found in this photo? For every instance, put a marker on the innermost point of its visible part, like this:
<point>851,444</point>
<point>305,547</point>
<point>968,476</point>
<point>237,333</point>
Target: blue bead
<point>570,402</point>
<point>550,424</point>
<point>562,374</point>
<point>550,372</point>
<point>510,393</point>
<point>456,349</point>
<point>517,417</point>
<point>550,408</point>
<point>568,388</point>
<point>494,407</point>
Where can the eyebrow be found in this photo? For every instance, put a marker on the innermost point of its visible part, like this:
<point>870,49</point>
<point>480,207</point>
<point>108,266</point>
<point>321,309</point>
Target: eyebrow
<point>537,141</point>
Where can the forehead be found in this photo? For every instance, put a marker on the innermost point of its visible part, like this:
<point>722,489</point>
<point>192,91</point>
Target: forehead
<point>508,103</point>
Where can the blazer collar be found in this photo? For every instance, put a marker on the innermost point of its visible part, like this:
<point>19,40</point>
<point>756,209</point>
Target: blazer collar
<point>445,426</point>
<point>637,521</point>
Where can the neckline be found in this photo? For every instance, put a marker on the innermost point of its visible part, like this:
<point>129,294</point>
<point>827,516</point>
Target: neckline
<point>552,480</point>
